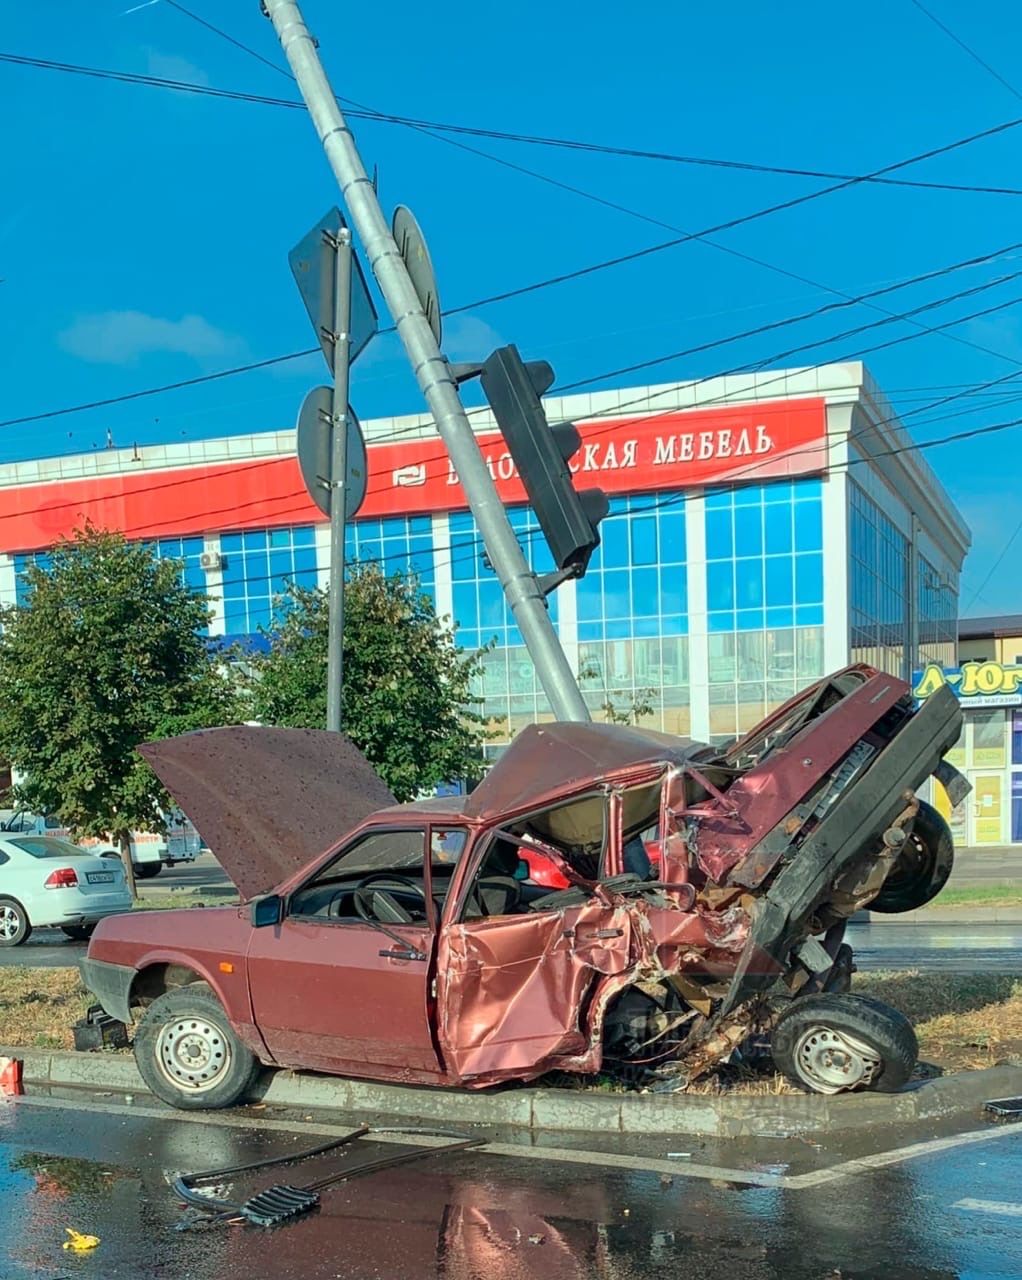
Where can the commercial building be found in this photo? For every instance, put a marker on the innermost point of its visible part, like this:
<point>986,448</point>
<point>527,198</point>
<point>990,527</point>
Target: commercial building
<point>988,683</point>
<point>763,529</point>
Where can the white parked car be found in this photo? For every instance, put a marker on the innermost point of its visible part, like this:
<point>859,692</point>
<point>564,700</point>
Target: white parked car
<point>48,882</point>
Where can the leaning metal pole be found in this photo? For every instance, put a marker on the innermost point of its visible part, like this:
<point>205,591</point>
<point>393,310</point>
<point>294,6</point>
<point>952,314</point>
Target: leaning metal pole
<point>432,372</point>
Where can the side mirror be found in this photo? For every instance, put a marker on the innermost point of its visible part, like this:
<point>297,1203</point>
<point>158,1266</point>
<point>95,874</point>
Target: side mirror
<point>267,911</point>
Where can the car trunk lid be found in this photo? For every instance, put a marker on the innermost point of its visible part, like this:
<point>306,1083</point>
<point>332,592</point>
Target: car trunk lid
<point>267,800</point>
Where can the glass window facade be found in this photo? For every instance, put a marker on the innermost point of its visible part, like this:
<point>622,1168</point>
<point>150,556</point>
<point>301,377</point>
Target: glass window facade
<point>764,597</point>
<point>508,683</point>
<point>21,563</point>
<point>878,586</point>
<point>402,544</point>
<point>632,610</point>
<point>937,611</point>
<point>258,567</point>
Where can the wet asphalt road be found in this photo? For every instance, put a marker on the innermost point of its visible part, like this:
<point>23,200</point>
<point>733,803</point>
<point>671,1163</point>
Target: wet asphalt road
<point>477,1216</point>
<point>961,948</point>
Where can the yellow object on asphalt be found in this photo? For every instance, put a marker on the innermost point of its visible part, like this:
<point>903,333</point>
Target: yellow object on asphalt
<point>78,1242</point>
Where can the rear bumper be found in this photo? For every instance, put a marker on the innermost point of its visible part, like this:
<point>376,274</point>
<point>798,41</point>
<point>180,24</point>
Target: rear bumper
<point>87,914</point>
<point>854,825</point>
<point>110,984</point>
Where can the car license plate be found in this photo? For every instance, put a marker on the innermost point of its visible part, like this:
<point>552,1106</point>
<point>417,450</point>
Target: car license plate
<point>99,877</point>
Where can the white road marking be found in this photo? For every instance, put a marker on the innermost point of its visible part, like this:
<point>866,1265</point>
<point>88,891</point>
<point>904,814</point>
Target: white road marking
<point>1004,1207</point>
<point>552,1155</point>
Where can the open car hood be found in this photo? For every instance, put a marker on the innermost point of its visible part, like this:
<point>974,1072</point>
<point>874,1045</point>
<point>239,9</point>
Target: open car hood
<point>267,801</point>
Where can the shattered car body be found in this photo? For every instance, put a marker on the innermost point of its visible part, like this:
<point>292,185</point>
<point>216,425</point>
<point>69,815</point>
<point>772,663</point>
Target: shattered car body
<point>423,947</point>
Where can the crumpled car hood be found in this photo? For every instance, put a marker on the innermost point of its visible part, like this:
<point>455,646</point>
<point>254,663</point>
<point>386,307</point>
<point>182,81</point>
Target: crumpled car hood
<point>267,801</point>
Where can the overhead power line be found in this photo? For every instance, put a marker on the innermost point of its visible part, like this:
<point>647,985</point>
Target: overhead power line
<point>474,131</point>
<point>969,50</point>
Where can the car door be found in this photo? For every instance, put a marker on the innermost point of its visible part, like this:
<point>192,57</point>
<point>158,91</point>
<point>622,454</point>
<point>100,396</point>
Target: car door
<point>511,988</point>
<point>338,993</point>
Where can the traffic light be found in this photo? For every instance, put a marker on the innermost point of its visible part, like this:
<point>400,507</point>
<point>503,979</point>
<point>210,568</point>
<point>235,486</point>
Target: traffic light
<point>540,452</point>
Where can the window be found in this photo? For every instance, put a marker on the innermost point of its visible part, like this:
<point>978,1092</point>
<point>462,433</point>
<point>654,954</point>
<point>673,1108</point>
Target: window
<point>259,566</point>
<point>446,845</point>
<point>333,893</point>
<point>48,847</point>
<point>878,586</point>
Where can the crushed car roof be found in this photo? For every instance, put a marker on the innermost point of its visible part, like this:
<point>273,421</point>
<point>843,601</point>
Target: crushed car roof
<point>547,760</point>
<point>266,801</point>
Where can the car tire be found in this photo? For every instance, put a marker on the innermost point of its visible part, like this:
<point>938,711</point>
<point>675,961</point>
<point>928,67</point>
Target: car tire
<point>78,932</point>
<point>15,926</point>
<point>922,868</point>
<point>188,1054</point>
<point>147,870</point>
<point>842,1043</point>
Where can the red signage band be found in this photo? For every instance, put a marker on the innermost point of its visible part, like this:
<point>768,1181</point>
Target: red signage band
<point>676,450</point>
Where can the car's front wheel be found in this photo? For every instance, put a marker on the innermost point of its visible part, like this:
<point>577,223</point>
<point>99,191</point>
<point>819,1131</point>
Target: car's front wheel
<point>14,923</point>
<point>146,870</point>
<point>840,1043</point>
<point>188,1054</point>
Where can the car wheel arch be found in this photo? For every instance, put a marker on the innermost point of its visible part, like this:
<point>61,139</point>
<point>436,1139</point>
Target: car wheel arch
<point>156,978</point>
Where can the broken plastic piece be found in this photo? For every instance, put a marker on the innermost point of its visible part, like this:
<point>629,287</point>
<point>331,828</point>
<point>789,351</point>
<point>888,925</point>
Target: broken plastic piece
<point>278,1204</point>
<point>79,1243</point>
<point>10,1076</point>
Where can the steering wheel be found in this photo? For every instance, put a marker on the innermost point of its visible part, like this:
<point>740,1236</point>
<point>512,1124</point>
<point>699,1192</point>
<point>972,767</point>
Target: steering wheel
<point>385,880</point>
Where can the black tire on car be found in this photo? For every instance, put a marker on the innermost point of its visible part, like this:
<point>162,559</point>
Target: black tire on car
<point>188,1053</point>
<point>78,932</point>
<point>840,1043</point>
<point>922,868</point>
<point>15,925</point>
<point>146,870</point>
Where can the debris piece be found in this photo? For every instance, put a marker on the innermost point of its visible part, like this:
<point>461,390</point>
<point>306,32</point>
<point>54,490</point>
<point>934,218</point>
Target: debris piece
<point>537,1238</point>
<point>666,1180</point>
<point>78,1242</point>
<point>10,1076</point>
<point>98,1030</point>
<point>1003,1110</point>
<point>679,1155</point>
<point>278,1204</point>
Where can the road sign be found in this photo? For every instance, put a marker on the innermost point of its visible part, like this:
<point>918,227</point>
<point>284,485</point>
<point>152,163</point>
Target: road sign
<point>411,244</point>
<point>314,452</point>
<point>314,270</point>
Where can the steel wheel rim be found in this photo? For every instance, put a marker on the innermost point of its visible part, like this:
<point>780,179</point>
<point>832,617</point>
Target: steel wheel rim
<point>193,1054</point>
<point>10,922</point>
<point>832,1061</point>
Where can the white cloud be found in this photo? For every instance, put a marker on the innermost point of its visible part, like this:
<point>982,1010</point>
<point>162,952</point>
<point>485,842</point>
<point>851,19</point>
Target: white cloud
<point>122,337</point>
<point>169,67</point>
<point>469,338</point>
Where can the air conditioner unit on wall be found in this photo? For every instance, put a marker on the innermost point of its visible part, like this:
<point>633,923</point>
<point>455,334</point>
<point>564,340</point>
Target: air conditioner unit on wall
<point>211,561</point>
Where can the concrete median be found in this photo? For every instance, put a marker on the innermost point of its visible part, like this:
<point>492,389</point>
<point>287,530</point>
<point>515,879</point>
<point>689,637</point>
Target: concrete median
<point>566,1110</point>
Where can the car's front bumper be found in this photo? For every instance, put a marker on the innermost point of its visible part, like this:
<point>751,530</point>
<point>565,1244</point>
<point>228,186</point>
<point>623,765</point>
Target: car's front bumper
<point>111,985</point>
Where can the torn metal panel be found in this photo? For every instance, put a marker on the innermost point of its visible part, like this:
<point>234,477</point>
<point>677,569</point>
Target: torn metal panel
<point>267,801</point>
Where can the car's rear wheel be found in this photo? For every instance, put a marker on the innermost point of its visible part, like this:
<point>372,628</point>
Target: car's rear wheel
<point>841,1043</point>
<point>188,1053</point>
<point>15,926</point>
<point>922,868</point>
<point>146,870</point>
<point>78,932</point>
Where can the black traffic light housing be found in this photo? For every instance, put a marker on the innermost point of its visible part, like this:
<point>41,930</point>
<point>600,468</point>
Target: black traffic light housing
<point>569,519</point>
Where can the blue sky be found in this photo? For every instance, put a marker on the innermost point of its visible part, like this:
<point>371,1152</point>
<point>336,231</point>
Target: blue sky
<point>144,234</point>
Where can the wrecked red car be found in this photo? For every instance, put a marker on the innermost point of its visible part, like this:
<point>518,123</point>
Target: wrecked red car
<point>418,942</point>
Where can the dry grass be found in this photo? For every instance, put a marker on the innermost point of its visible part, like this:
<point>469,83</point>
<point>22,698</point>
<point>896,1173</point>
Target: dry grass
<point>980,895</point>
<point>38,1007</point>
<point>963,1021</point>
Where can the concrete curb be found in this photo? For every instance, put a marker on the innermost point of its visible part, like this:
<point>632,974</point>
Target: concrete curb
<point>944,915</point>
<point>564,1110</point>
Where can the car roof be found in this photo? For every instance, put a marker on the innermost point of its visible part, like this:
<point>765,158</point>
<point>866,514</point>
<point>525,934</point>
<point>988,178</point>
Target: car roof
<point>546,762</point>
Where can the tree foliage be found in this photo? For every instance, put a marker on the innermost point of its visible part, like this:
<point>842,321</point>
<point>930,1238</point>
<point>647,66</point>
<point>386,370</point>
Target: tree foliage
<point>105,654</point>
<point>407,687</point>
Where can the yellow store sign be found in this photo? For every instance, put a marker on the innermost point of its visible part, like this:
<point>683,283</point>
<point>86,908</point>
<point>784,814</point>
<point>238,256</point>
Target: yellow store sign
<point>977,684</point>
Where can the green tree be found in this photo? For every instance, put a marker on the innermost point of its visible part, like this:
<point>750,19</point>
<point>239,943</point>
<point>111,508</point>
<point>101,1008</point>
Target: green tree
<point>619,706</point>
<point>407,701</point>
<point>105,654</point>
